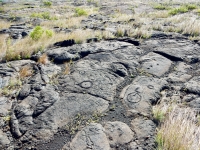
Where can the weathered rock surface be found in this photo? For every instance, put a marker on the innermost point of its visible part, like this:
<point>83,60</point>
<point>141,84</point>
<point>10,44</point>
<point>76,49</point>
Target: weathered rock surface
<point>145,130</point>
<point>155,64</point>
<point>4,141</point>
<point>141,94</point>
<point>118,133</point>
<point>193,85</point>
<point>91,137</point>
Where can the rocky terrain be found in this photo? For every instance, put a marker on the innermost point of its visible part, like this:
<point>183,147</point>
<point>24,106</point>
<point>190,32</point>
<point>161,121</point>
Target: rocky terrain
<point>95,94</point>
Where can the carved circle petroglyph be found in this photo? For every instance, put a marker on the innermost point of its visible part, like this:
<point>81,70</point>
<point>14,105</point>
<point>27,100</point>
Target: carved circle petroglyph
<point>134,97</point>
<point>72,98</point>
<point>86,84</point>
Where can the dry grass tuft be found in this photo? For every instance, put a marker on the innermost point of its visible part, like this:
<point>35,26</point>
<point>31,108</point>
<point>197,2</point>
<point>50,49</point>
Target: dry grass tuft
<point>4,24</point>
<point>43,59</point>
<point>122,17</point>
<point>26,47</point>
<point>72,22</point>
<point>25,71</point>
<point>107,35</point>
<point>66,69</point>
<point>3,46</point>
<point>159,14</point>
<point>179,130</point>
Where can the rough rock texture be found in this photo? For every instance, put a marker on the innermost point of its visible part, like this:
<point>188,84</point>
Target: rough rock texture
<point>106,78</point>
<point>4,141</point>
<point>91,137</point>
<point>141,94</point>
<point>108,82</point>
<point>118,133</point>
<point>144,130</point>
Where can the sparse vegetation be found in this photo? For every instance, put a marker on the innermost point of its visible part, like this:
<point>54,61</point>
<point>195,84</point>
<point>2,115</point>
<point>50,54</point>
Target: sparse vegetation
<point>120,32</point>
<point>4,24</point>
<point>14,84</point>
<point>3,45</point>
<point>158,114</point>
<point>160,6</point>
<point>182,9</point>
<point>43,15</point>
<point>2,10</point>
<point>80,121</point>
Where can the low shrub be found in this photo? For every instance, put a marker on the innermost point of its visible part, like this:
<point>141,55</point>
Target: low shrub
<point>47,3</point>
<point>80,12</point>
<point>182,9</point>
<point>160,6</point>
<point>44,15</point>
<point>38,32</point>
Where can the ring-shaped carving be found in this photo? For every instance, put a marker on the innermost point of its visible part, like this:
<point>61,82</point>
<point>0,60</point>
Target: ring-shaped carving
<point>134,97</point>
<point>86,84</point>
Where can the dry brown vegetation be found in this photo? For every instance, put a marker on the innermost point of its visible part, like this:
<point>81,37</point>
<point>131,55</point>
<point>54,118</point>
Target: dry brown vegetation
<point>24,48</point>
<point>3,46</point>
<point>66,69</point>
<point>25,71</point>
<point>179,129</point>
<point>43,59</point>
<point>72,22</point>
<point>4,24</point>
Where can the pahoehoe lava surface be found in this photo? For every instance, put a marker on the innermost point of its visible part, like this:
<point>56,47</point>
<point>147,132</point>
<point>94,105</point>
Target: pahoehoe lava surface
<point>117,81</point>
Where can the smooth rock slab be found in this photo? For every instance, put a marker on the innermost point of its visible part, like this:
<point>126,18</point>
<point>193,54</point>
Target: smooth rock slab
<point>178,77</point>
<point>91,137</point>
<point>141,94</point>
<point>155,64</point>
<point>95,82</point>
<point>145,131</point>
<point>118,133</point>
<point>177,49</point>
<point>180,74</point>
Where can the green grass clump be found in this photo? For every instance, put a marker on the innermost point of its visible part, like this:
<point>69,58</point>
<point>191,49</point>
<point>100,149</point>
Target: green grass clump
<point>182,9</point>
<point>44,15</point>
<point>47,3</point>
<point>49,33</point>
<point>38,32</point>
<point>191,6</point>
<point>80,12</point>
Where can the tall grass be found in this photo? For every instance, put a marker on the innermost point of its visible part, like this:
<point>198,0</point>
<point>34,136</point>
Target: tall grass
<point>179,131</point>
